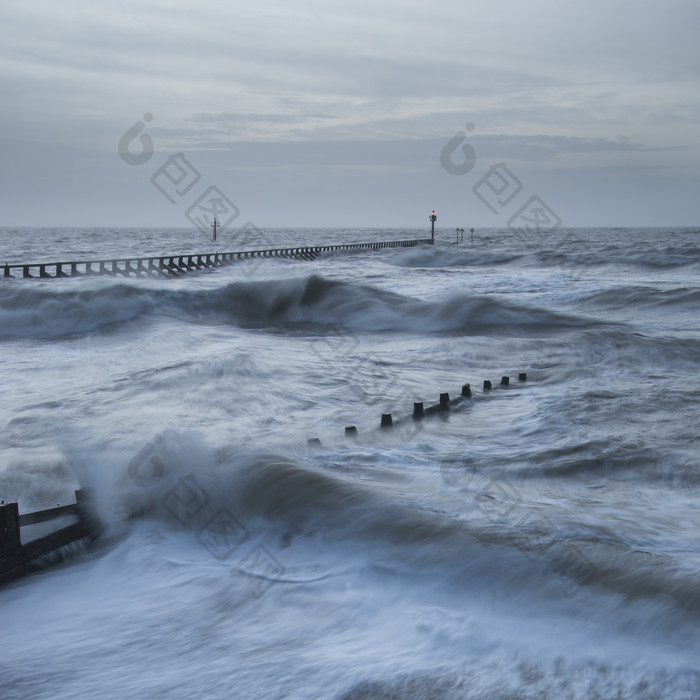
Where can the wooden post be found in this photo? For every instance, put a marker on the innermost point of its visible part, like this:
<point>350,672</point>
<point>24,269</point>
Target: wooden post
<point>10,543</point>
<point>83,499</point>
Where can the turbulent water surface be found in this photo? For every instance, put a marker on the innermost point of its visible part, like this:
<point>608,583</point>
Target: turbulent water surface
<point>541,540</point>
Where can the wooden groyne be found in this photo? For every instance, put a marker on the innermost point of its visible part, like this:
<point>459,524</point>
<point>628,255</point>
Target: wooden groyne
<point>420,411</point>
<point>16,558</point>
<point>170,265</point>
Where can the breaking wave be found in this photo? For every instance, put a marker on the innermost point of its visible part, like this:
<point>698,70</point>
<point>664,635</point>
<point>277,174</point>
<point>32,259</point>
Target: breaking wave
<point>314,301</point>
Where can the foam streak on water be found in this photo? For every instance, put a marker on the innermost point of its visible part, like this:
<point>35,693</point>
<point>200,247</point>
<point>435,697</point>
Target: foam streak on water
<point>541,540</point>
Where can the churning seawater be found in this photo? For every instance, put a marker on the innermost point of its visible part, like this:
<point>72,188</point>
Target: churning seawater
<point>540,540</point>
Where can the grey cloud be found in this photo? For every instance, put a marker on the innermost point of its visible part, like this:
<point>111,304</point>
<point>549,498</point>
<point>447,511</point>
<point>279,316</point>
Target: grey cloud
<point>243,118</point>
<point>417,153</point>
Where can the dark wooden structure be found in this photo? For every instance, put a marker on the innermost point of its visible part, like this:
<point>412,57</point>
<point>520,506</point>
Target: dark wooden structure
<point>445,404</point>
<point>16,558</point>
<point>169,265</point>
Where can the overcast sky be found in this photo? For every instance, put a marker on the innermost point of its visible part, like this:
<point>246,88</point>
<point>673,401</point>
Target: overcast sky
<point>336,113</point>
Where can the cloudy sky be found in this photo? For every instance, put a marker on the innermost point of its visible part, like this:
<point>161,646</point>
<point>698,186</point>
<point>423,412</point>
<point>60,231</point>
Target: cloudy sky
<point>339,113</point>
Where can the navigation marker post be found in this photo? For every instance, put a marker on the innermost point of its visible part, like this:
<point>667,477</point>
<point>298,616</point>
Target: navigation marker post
<point>432,218</point>
<point>215,225</point>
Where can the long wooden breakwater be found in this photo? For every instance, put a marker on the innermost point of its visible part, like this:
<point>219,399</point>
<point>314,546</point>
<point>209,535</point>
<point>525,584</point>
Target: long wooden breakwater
<point>169,265</point>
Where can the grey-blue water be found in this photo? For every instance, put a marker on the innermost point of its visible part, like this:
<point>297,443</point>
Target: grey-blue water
<point>542,540</point>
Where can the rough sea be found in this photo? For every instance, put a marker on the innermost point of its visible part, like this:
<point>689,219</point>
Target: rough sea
<point>539,540</point>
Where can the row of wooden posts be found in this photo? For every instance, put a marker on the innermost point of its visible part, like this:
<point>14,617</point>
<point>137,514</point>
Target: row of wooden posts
<point>420,411</point>
<point>169,265</point>
<point>16,558</point>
